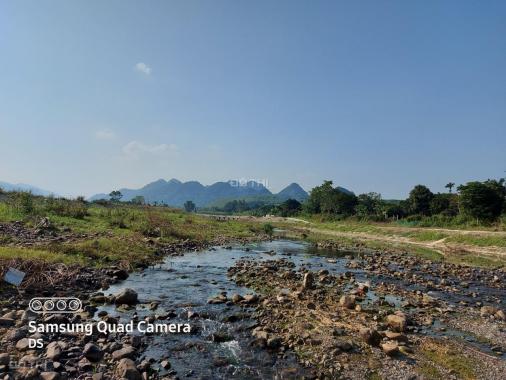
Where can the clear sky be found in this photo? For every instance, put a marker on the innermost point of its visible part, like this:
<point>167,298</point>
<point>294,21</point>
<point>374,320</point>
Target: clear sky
<point>375,95</point>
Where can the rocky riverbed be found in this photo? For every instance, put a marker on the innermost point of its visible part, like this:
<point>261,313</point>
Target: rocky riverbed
<point>388,316</point>
<point>280,310</point>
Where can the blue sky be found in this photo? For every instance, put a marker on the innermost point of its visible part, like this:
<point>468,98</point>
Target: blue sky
<point>375,95</point>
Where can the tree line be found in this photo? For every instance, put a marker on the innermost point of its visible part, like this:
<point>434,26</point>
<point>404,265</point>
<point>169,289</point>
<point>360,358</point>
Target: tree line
<point>481,201</point>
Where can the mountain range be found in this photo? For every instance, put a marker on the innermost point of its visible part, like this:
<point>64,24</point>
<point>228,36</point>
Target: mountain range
<point>24,187</point>
<point>176,193</point>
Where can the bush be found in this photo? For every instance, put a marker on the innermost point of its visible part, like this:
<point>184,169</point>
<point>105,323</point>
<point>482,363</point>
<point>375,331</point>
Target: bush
<point>268,229</point>
<point>24,202</point>
<point>77,209</point>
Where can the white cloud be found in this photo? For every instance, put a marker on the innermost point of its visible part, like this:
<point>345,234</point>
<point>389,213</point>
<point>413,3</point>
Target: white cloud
<point>143,68</point>
<point>105,134</point>
<point>135,149</point>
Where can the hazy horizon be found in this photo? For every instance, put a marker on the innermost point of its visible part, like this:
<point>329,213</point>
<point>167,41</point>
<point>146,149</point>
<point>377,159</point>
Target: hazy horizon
<point>374,96</point>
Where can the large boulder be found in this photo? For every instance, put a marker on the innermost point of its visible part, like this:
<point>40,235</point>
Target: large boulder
<point>126,297</point>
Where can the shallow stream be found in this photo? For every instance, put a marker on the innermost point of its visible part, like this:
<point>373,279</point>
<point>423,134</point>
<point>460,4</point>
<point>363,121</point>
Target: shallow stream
<point>220,346</point>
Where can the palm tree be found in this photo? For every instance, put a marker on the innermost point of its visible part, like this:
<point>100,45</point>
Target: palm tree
<point>449,186</point>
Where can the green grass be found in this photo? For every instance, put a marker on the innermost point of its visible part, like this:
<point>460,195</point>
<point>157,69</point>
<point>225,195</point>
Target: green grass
<point>448,358</point>
<point>105,251</point>
<point>11,253</point>
<point>481,241</point>
<point>111,233</point>
<point>475,261</point>
<point>9,213</point>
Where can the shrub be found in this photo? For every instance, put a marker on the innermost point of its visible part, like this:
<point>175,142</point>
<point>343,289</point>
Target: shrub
<point>268,229</point>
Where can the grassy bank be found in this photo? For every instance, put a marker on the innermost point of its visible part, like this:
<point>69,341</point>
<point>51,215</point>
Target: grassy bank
<point>98,235</point>
<point>474,248</point>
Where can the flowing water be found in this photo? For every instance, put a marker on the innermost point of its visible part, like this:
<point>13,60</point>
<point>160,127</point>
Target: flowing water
<point>220,345</point>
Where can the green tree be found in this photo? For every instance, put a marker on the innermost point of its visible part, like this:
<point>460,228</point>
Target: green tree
<point>450,186</point>
<point>189,206</point>
<point>326,199</point>
<point>236,206</point>
<point>444,204</point>
<point>316,198</point>
<point>419,200</point>
<point>482,200</point>
<point>115,196</point>
<point>290,207</point>
<point>369,204</point>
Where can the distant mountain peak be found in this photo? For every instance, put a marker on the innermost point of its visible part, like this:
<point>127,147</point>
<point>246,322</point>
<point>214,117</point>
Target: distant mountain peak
<point>158,181</point>
<point>293,191</point>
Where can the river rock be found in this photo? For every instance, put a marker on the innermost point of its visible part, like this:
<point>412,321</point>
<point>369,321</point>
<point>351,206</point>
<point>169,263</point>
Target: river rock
<point>390,348</point>
<point>92,352</point>
<point>120,274</point>
<point>274,342</point>
<point>396,336</point>
<point>487,311</point>
<point>6,322</point>
<point>347,301</point>
<point>250,298</point>
<point>4,359</point>
<point>85,365</point>
<point>499,314</point>
<point>126,297</point>
<point>397,322</point>
<point>259,334</point>
<point>125,352</point>
<point>308,281</point>
<point>165,364</point>
<point>11,315</point>
<point>28,373</point>
<point>126,370</point>
<point>53,351</point>
<point>220,298</point>
<point>236,298</point>
<point>370,336</point>
<point>22,344</point>
<point>50,376</point>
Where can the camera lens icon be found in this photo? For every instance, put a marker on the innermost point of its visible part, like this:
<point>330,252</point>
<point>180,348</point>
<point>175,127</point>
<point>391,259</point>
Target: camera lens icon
<point>61,305</point>
<point>48,305</point>
<point>74,305</point>
<point>36,305</point>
